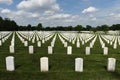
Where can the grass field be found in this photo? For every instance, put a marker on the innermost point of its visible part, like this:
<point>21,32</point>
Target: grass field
<point>61,65</point>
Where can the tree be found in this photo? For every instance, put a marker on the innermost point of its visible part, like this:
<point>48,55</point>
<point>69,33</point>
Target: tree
<point>39,27</point>
<point>78,28</point>
<point>29,27</point>
<point>105,28</point>
<point>88,27</point>
<point>70,28</point>
<point>1,24</point>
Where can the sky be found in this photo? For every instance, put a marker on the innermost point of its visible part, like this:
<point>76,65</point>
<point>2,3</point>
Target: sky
<point>61,12</point>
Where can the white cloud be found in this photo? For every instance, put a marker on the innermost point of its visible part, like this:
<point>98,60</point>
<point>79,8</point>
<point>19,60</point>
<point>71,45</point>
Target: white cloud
<point>59,16</point>
<point>94,19</point>
<point>48,13</point>
<point>38,5</point>
<point>114,15</point>
<point>89,10</point>
<point>54,19</point>
<point>5,11</point>
<point>8,2</point>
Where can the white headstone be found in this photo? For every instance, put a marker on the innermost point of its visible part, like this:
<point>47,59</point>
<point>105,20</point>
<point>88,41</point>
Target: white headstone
<point>69,50</point>
<point>111,64</point>
<point>105,50</point>
<point>103,45</point>
<point>33,40</point>
<point>31,50</point>
<point>39,44</point>
<point>44,64</point>
<point>83,42</point>
<point>65,44</point>
<point>11,49</point>
<point>91,45</point>
<point>0,43</point>
<point>26,43</point>
<point>43,41</point>
<point>78,44</point>
<point>115,46</point>
<point>73,42</point>
<point>79,64</point>
<point>87,51</point>
<point>52,44</point>
<point>10,63</point>
<point>50,49</point>
<point>12,43</point>
<point>111,43</point>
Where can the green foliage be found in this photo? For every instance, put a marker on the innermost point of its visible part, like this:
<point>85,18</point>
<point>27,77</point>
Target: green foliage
<point>78,28</point>
<point>88,27</point>
<point>105,28</point>
<point>10,25</point>
<point>39,27</point>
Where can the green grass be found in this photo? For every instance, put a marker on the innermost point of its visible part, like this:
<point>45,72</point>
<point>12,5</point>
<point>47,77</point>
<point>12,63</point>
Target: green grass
<point>61,65</point>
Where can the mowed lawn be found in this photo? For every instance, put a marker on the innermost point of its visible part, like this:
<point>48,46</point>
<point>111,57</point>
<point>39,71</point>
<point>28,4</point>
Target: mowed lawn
<point>61,65</point>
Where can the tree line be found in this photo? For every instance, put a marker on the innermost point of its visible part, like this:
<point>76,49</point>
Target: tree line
<point>10,25</point>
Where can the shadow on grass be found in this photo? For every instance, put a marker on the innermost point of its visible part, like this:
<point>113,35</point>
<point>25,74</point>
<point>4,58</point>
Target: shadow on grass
<point>17,66</point>
<point>105,67</point>
<point>116,75</point>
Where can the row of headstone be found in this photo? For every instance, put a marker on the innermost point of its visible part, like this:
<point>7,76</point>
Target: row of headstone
<point>4,36</point>
<point>25,42</point>
<point>112,40</point>
<point>53,41</point>
<point>12,46</point>
<point>62,40</point>
<point>44,64</point>
<point>33,36</point>
<point>105,49</point>
<point>93,42</point>
<point>89,37</point>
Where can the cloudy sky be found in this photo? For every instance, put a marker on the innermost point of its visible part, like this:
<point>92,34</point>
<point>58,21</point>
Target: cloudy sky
<point>61,12</point>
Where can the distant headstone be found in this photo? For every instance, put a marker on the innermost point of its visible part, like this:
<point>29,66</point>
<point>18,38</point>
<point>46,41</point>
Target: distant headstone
<point>39,44</point>
<point>26,43</point>
<point>115,46</point>
<point>33,40</point>
<point>44,64</point>
<point>50,49</point>
<point>69,50</point>
<point>83,42</point>
<point>52,44</point>
<point>31,50</point>
<point>111,64</point>
<point>11,49</point>
<point>87,51</point>
<point>10,63</point>
<point>0,43</point>
<point>105,50</point>
<point>79,64</point>
<point>43,41</point>
<point>65,44</point>
<point>103,45</point>
<point>78,44</point>
<point>91,45</point>
<point>111,43</point>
